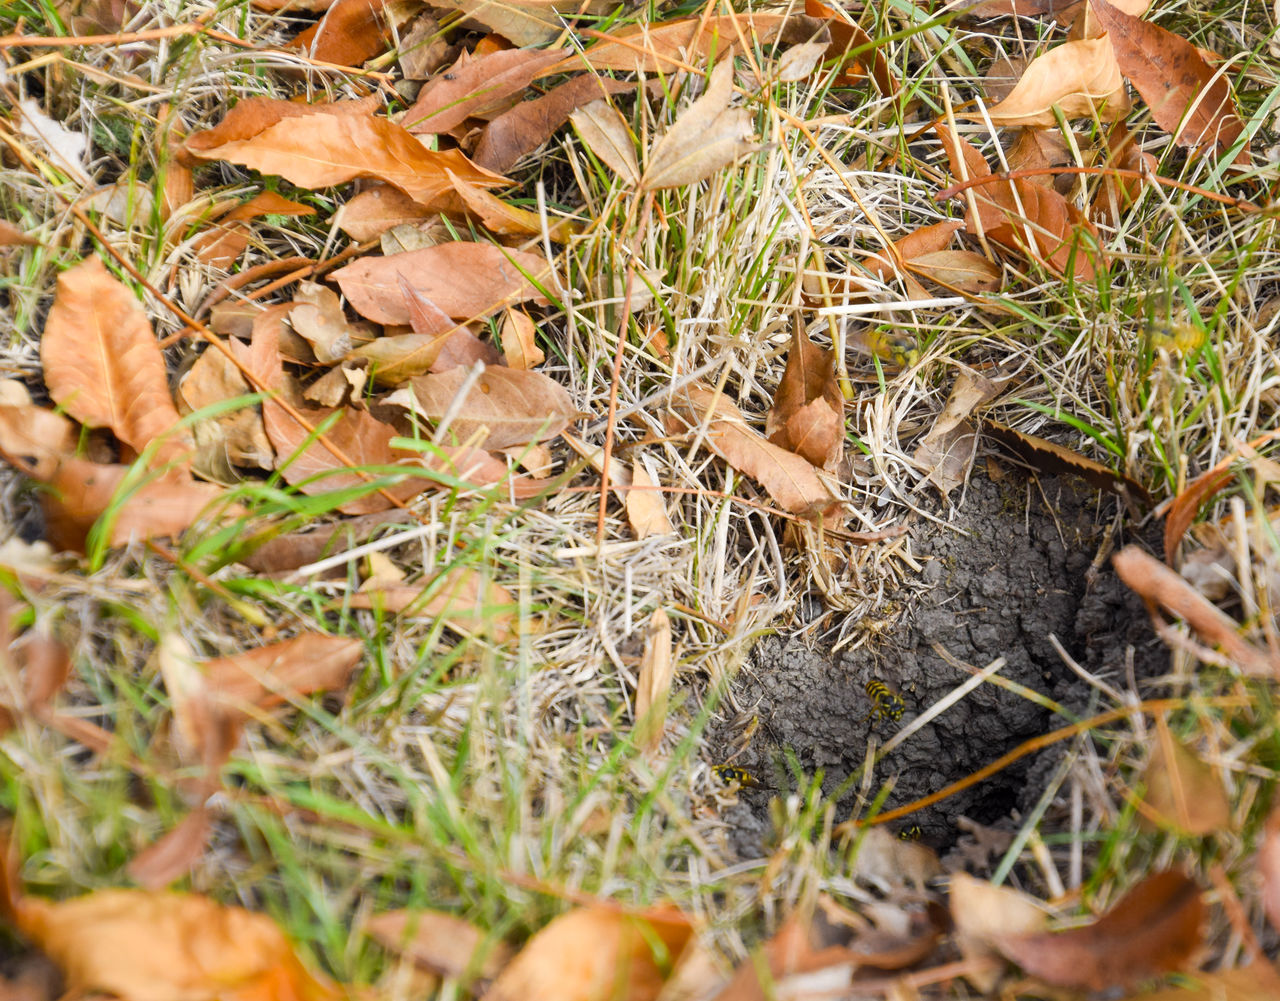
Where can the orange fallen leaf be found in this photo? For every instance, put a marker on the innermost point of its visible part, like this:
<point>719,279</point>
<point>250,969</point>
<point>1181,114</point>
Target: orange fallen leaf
<point>846,36</point>
<point>982,913</point>
<point>466,280</point>
<point>1182,791</point>
<point>646,509</point>
<point>792,481</point>
<point>172,856</point>
<point>807,416</point>
<point>501,408</point>
<point>707,137</point>
<point>353,31</point>
<point>465,599</point>
<point>598,953</point>
<point>12,236</point>
<point>252,115</point>
<point>1187,97</point>
<point>330,147</point>
<point>269,676</point>
<point>653,685</point>
<point>33,437</point>
<point>1079,78</point>
<point>226,239</point>
<point>151,946</point>
<point>442,943</point>
<point>606,133</point>
<point>480,86</point>
<point>519,340</point>
<point>1153,929</point>
<point>374,211</point>
<point>102,362</point>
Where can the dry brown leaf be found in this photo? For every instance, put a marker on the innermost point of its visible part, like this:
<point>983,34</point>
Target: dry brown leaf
<point>253,115</point>
<point>237,437</point>
<point>456,344</point>
<point>1080,78</point>
<point>1152,930</point>
<point>1175,80</point>
<point>1158,585</point>
<point>1255,982</point>
<point>466,280</point>
<point>925,240</point>
<point>225,240</point>
<point>34,437</point>
<point>957,269</point>
<point>103,365</point>
<point>598,953</point>
<point>466,600</point>
<point>1268,865</point>
<point>330,147</point>
<point>807,416</point>
<point>353,31</point>
<point>396,360</point>
<point>791,481</point>
<point>607,135</point>
<point>528,125</point>
<point>371,213</point>
<point>81,491</point>
<point>441,943</point>
<point>1051,458</point>
<point>795,949</point>
<point>641,497</point>
<point>12,236</point>
<point>318,319</point>
<point>1183,792</point>
<point>502,408</point>
<point>154,946</point>
<point>362,438</point>
<point>270,676</point>
<point>172,856</point>
<point>946,452</point>
<point>519,340</point>
<point>524,22</point>
<point>846,36</point>
<point>1021,214</point>
<point>506,219</point>
<point>1118,193</point>
<point>479,87</point>
<point>204,733</point>
<point>653,685</point>
<point>664,48</point>
<point>707,137</point>
<point>1038,149</point>
<point>983,912</point>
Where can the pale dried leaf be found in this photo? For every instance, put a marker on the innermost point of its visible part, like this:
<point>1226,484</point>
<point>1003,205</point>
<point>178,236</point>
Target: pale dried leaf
<point>519,340</point>
<point>1183,792</point>
<point>982,913</point>
<point>174,855</point>
<point>269,676</point>
<point>524,22</point>
<point>653,686</point>
<point>465,280</point>
<point>65,147</point>
<point>947,451</point>
<point>371,213</point>
<point>607,135</point>
<point>441,943</point>
<point>960,269</point>
<point>1080,78</point>
<point>474,86</point>
<point>707,137</point>
<point>239,435</point>
<point>465,599</point>
<point>634,487</point>
<point>102,362</point>
<point>502,408</point>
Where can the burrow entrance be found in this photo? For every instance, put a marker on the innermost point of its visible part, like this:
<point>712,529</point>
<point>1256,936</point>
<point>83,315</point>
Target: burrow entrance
<point>1014,566</point>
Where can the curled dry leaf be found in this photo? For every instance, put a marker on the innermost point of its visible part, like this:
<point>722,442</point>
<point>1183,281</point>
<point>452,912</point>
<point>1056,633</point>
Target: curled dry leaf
<point>846,36</point>
<point>270,676</point>
<point>807,416</point>
<point>982,912</point>
<point>529,124</point>
<point>442,943</point>
<point>331,147</point>
<point>102,362</point>
<point>465,599</point>
<point>1051,458</point>
<point>237,437</point>
<point>318,319</point>
<point>501,408</point>
<point>595,953</point>
<point>1182,791</point>
<point>519,340</point>
<point>947,451</point>
<point>12,236</point>
<point>476,86</point>
<point>1021,214</point>
<point>653,686</point>
<point>154,946</point>
<point>526,22</point>
<point>465,280</point>
<point>1187,97</point>
<point>33,437</point>
<point>957,269</point>
<point>790,480</point>
<point>225,240</point>
<point>506,219</point>
<point>371,213</point>
<point>253,115</point>
<point>1080,78</point>
<point>924,240</point>
<point>644,504</point>
<point>358,435</point>
<point>1158,585</point>
<point>608,136</point>
<point>708,136</point>
<point>353,31</point>
<point>1153,929</point>
<point>458,345</point>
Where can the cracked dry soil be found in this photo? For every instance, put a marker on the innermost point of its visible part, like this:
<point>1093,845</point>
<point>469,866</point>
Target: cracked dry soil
<point>1012,568</point>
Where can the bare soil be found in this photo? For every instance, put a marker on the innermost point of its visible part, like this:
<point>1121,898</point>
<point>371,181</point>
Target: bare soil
<point>1013,566</point>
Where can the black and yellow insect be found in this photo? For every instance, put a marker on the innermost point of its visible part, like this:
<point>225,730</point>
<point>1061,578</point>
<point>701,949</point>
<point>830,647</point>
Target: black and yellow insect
<point>885,702</point>
<point>731,774</point>
<point>911,833</point>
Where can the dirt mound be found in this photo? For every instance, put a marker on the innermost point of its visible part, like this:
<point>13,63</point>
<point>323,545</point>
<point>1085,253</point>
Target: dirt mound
<point>1012,568</point>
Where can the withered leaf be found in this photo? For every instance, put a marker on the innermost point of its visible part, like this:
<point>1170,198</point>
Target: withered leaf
<point>34,437</point>
<point>465,599</point>
<point>644,504</point>
<point>1175,81</point>
<point>172,856</point>
<point>708,136</point>
<point>12,236</point>
<point>458,345</point>
<point>102,362</point>
<point>269,676</point>
<point>1268,864</point>
<point>476,86</point>
<point>226,239</point>
<point>607,135</point>
<point>924,240</point>
<point>156,946</point>
<point>846,36</point>
<point>502,408</point>
<point>957,269</point>
<point>531,123</point>
<point>807,416</point>
<point>1183,792</point>
<point>465,280</point>
<point>947,451</point>
<point>353,31</point>
<point>526,22</point>
<point>614,956</point>
<point>519,340</point>
<point>252,115</point>
<point>442,943</point>
<point>1080,78</point>
<point>653,685</point>
<point>371,213</point>
<point>324,149</point>
<point>1153,929</point>
<point>1048,457</point>
<point>790,480</point>
<point>982,913</point>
